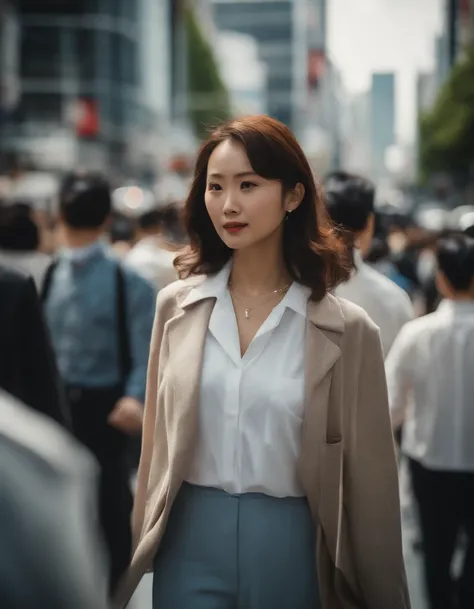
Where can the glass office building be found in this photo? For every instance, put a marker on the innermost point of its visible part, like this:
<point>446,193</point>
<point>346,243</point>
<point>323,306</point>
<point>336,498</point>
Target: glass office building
<point>272,24</point>
<point>89,85</point>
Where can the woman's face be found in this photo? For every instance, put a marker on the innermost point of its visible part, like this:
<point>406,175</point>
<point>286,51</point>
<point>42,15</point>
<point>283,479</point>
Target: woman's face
<point>245,208</point>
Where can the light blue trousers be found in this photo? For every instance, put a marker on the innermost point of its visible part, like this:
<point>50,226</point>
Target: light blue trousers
<point>249,551</point>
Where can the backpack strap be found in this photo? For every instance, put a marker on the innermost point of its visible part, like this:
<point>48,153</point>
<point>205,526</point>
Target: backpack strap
<point>48,278</point>
<point>125,359</point>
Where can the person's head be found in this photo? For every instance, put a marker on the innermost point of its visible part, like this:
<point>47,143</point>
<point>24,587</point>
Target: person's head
<point>455,261</point>
<point>161,220</point>
<point>253,189</point>
<point>85,203</point>
<point>467,224</point>
<point>351,201</point>
<point>378,251</point>
<point>18,229</point>
<point>121,229</point>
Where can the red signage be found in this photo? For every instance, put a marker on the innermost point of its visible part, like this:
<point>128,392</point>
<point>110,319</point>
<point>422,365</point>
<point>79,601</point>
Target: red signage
<point>465,8</point>
<point>316,65</point>
<point>87,118</point>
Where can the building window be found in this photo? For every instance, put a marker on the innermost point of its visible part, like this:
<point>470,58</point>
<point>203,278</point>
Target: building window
<point>40,52</point>
<point>40,107</point>
<point>52,7</point>
<point>85,53</point>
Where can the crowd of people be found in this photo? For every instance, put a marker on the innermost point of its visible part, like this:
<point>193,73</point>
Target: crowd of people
<point>296,333</point>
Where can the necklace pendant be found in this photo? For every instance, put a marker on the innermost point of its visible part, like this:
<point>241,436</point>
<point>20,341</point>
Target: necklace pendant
<point>247,313</point>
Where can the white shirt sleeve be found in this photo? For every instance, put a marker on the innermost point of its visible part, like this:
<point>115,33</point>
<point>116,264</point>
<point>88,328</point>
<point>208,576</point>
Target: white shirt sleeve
<point>398,368</point>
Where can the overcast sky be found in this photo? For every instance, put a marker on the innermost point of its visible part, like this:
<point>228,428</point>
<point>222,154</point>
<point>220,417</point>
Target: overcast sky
<point>366,36</point>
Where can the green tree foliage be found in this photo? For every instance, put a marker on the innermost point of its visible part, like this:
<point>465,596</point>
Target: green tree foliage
<point>447,132</point>
<point>208,100</point>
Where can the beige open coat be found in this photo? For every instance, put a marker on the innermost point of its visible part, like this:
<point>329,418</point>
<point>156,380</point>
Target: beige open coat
<point>347,464</point>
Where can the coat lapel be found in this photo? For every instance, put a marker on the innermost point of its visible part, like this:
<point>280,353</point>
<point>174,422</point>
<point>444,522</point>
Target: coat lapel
<point>186,336</point>
<point>322,353</point>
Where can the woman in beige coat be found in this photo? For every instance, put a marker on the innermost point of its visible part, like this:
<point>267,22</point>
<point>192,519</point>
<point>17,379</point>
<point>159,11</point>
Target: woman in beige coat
<point>267,477</point>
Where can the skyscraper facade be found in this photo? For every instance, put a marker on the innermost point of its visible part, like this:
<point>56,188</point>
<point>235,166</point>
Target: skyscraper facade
<point>275,25</point>
<point>382,120</point>
<point>91,91</point>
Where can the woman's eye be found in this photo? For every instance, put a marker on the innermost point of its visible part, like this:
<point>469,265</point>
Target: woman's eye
<point>247,185</point>
<point>214,187</point>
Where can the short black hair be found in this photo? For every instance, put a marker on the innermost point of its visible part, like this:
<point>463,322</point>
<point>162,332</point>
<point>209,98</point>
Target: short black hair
<point>121,228</point>
<point>350,200</point>
<point>455,256</point>
<point>18,229</point>
<point>379,250</point>
<point>151,219</point>
<point>85,201</point>
<point>166,217</point>
<point>469,231</point>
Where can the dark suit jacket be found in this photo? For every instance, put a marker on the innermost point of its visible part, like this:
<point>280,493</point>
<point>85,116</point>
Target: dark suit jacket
<point>27,365</point>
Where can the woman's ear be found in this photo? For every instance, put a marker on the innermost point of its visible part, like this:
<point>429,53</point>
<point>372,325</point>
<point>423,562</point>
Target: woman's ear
<point>294,197</point>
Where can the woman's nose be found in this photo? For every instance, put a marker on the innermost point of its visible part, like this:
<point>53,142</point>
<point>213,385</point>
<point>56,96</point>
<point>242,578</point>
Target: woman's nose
<point>230,203</point>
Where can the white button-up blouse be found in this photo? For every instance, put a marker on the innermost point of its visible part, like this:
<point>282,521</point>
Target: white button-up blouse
<point>251,407</point>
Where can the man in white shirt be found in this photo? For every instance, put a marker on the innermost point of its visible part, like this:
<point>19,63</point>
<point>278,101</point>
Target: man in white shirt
<point>153,255</point>
<point>350,202</point>
<point>430,374</point>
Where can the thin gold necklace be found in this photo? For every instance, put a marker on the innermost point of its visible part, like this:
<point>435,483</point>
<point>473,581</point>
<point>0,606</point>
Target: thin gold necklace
<point>248,310</point>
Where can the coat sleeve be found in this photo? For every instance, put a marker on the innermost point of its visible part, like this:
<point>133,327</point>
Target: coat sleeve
<point>372,501</point>
<point>141,297</point>
<point>149,443</point>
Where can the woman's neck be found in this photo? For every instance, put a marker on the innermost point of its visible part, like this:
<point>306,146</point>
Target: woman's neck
<point>258,270</point>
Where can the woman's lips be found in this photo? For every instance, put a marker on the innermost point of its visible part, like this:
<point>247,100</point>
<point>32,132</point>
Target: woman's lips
<point>234,228</point>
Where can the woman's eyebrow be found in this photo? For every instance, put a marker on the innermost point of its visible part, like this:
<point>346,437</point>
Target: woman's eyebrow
<point>242,174</point>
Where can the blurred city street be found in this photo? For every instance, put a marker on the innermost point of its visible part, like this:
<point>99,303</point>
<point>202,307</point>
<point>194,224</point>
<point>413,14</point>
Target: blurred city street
<point>312,161</point>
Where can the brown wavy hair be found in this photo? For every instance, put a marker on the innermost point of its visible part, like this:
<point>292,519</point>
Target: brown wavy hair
<point>314,255</point>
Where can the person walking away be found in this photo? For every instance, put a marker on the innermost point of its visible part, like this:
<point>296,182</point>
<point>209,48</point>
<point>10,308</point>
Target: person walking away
<point>268,476</point>
<point>154,253</point>
<point>350,201</point>
<point>20,241</point>
<point>100,315</point>
<point>27,365</point>
<point>433,360</point>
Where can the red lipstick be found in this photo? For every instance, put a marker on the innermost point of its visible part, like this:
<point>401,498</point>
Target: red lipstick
<point>234,227</point>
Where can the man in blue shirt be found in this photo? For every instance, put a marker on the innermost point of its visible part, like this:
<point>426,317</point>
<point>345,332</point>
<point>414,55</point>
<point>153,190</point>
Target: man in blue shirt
<point>100,316</point>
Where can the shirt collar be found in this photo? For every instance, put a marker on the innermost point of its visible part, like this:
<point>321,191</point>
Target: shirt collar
<point>297,298</point>
<point>215,286</point>
<point>358,258</point>
<point>83,254</point>
<point>456,306</point>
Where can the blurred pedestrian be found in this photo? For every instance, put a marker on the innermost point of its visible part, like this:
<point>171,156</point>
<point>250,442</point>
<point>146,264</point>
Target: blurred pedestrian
<point>27,365</point>
<point>350,201</point>
<point>20,241</point>
<point>263,389</point>
<point>100,315</point>
<point>433,360</point>
<point>121,232</point>
<point>154,253</point>
<point>50,554</point>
